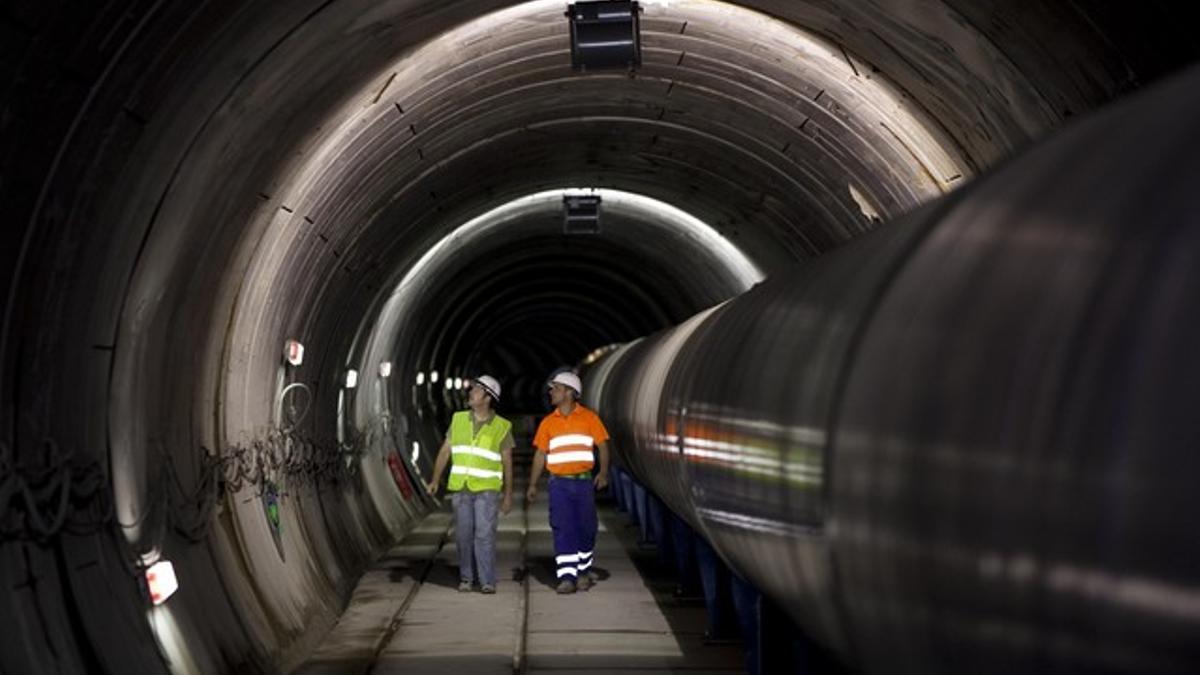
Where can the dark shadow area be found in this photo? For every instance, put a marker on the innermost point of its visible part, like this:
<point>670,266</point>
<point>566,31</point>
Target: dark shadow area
<point>659,578</point>
<point>422,539</point>
<point>441,573</point>
<point>575,663</point>
<point>784,650</point>
<point>405,571</point>
<point>335,666</point>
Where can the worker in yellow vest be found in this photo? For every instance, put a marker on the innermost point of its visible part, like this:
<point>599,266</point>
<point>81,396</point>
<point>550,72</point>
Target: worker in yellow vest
<point>566,442</point>
<point>478,448</point>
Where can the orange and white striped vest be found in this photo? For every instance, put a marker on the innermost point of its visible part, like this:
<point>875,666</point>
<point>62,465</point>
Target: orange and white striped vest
<point>568,440</point>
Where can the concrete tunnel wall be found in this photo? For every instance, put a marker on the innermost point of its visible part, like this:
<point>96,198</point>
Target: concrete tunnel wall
<point>189,184</point>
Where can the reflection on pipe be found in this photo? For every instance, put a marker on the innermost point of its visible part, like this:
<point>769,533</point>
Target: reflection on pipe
<point>966,443</point>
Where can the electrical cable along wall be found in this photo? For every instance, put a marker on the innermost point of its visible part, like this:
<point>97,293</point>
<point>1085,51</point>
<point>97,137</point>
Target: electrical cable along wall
<point>961,443</point>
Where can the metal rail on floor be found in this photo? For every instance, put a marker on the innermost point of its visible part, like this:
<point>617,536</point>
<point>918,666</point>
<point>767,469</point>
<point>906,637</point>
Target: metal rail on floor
<point>521,462</point>
<point>518,662</point>
<point>398,616</point>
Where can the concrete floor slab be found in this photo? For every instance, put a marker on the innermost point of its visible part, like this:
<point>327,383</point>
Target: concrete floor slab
<point>628,622</point>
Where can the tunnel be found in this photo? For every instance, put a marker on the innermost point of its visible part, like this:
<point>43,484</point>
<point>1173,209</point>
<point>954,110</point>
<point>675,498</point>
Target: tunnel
<point>258,250</point>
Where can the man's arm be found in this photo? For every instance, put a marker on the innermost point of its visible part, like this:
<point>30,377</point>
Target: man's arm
<point>601,480</point>
<point>539,463</point>
<point>506,450</point>
<point>439,467</point>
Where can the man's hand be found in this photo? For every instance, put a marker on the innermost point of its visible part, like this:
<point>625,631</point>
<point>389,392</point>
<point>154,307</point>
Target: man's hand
<point>506,503</point>
<point>600,481</point>
<point>531,494</point>
<point>432,487</point>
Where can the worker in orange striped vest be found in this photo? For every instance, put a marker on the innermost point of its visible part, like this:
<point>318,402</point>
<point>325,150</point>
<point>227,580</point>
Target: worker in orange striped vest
<point>564,443</point>
<point>478,447</point>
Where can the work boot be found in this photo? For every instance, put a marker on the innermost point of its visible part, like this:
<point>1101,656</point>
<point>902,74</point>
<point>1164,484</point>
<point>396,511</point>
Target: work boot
<point>565,586</point>
<point>584,582</point>
<point>593,575</point>
<point>487,589</point>
<point>464,586</point>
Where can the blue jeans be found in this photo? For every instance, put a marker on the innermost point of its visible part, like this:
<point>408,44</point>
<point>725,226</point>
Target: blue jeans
<point>476,516</point>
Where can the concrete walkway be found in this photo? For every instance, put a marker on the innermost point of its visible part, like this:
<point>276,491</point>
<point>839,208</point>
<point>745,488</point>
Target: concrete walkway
<point>629,621</point>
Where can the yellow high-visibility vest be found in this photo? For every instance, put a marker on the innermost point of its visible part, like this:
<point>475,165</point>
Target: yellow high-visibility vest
<point>475,463</point>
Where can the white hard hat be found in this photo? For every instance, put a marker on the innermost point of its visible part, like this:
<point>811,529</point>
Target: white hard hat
<point>568,379</point>
<point>490,385</point>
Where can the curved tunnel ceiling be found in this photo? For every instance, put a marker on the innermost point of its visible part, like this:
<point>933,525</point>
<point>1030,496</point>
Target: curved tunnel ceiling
<point>196,183</point>
<point>509,293</point>
<point>786,148</point>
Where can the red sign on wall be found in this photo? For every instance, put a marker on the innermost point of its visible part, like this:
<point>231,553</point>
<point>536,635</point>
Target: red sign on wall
<point>400,475</point>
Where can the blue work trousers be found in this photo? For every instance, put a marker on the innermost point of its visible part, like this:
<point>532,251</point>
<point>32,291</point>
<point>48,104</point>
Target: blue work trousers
<point>476,515</point>
<point>573,522</point>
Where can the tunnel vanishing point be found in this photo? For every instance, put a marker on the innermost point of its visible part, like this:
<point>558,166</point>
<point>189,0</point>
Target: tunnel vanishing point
<point>906,291</point>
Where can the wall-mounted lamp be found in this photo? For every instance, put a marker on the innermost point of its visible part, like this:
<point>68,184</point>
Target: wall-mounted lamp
<point>160,578</point>
<point>293,352</point>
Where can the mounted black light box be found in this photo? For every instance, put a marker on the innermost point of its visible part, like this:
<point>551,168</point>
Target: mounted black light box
<point>581,214</point>
<point>605,35</point>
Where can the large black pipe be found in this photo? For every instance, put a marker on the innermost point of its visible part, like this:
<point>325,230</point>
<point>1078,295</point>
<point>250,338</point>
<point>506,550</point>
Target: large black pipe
<point>968,442</point>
